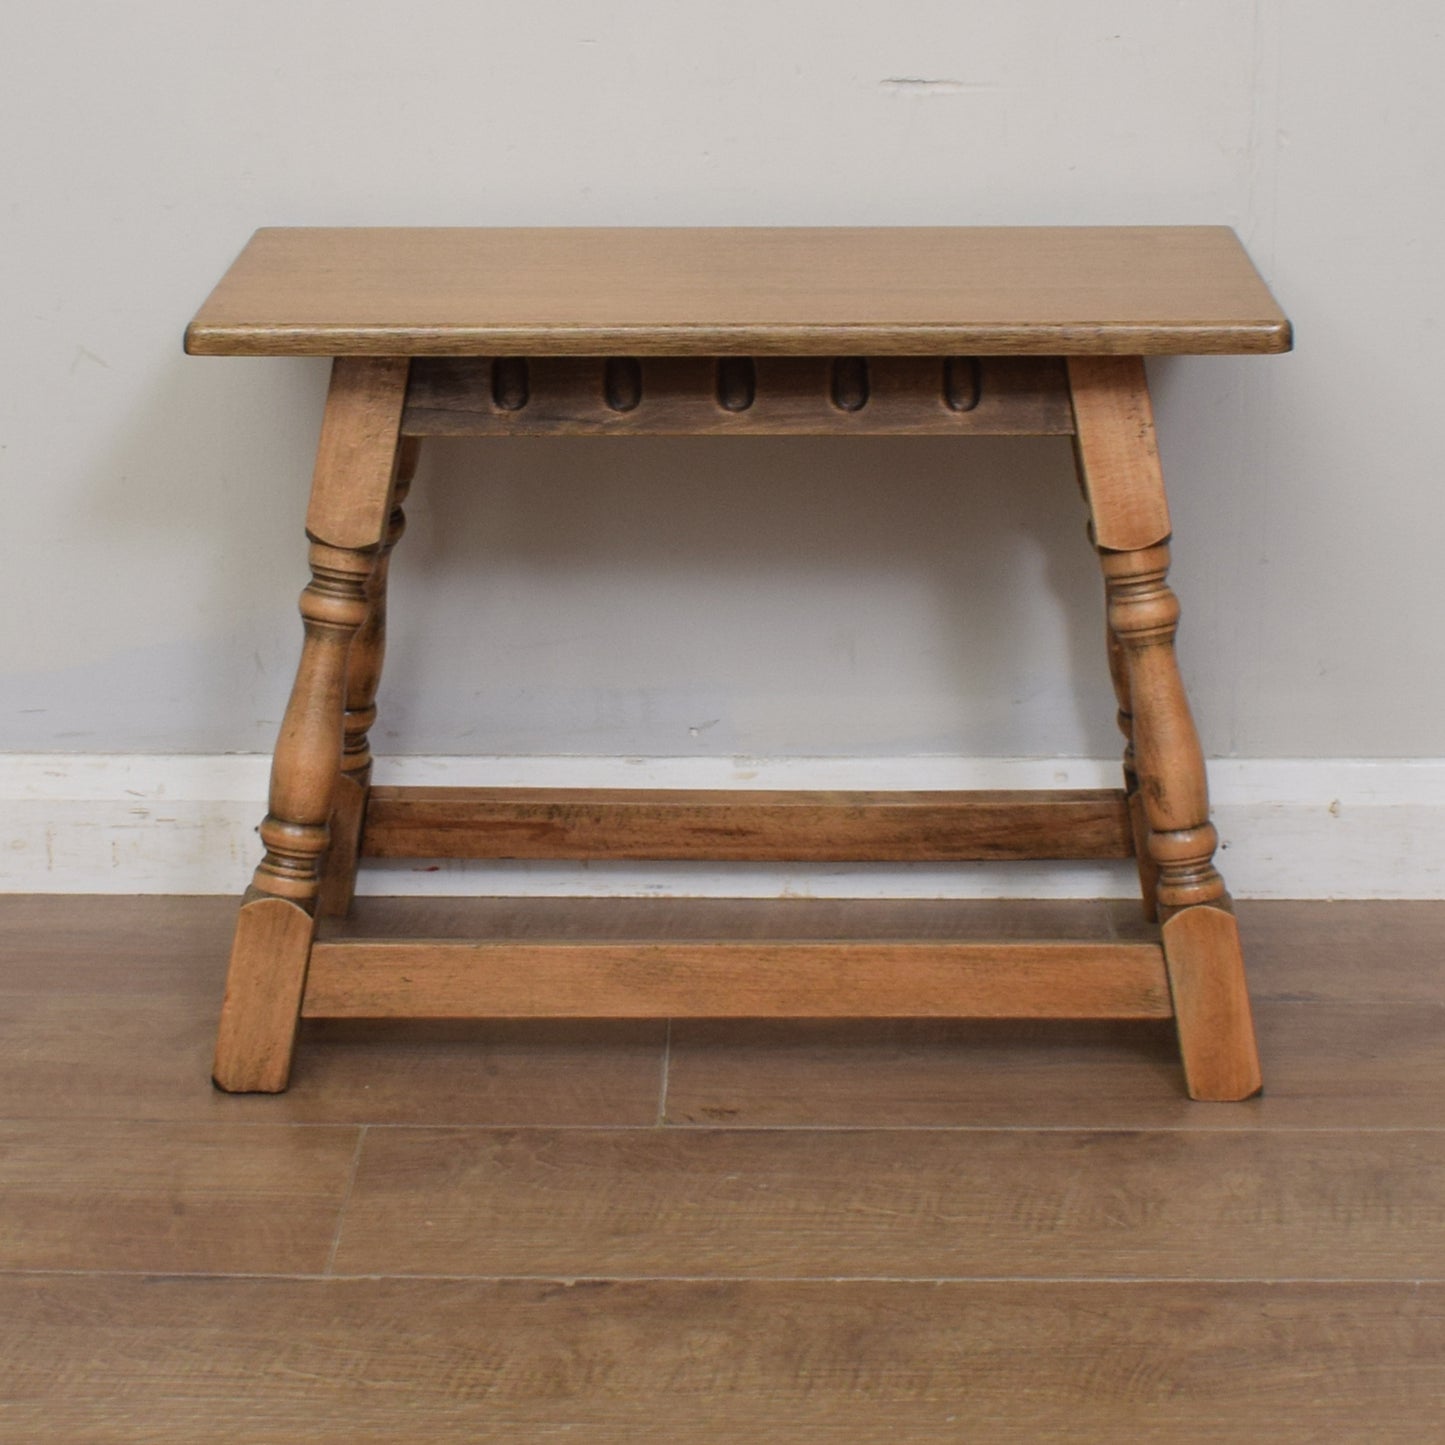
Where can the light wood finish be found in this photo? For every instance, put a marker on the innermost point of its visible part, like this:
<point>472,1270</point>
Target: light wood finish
<point>363,677</point>
<point>110,1011</point>
<point>264,987</point>
<point>764,826</point>
<point>898,1203</point>
<point>1144,615</point>
<point>348,813</point>
<point>942,331</point>
<point>1118,453</point>
<point>109,1008</point>
<point>774,920</point>
<point>842,291</point>
<point>1119,466</point>
<point>356,458</point>
<point>739,396</point>
<point>351,499</point>
<point>1205,964</point>
<point>1138,821</point>
<point>1211,1003</point>
<point>359,978</point>
<point>1243,1236</point>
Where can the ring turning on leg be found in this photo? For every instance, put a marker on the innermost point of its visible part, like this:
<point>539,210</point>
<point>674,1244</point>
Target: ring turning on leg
<point>1119,465</point>
<point>346,522</point>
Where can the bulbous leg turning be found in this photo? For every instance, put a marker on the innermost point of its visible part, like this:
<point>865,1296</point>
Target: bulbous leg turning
<point>363,678</point>
<point>346,522</point>
<point>1164,764</point>
<point>1200,935</point>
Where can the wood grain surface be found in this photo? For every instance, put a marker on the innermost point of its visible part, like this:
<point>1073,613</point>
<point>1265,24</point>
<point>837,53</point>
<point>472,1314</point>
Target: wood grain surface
<point>895,1203</point>
<point>1118,452</point>
<point>264,987</point>
<point>1361,1066</point>
<point>840,978</point>
<point>111,1004</point>
<point>926,1231</point>
<point>347,523</point>
<point>254,1361</point>
<point>197,1198</point>
<point>723,825</point>
<point>841,291</point>
<point>780,396</point>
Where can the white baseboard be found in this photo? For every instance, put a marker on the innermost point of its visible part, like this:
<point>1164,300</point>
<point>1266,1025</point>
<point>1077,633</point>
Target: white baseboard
<point>1321,828</point>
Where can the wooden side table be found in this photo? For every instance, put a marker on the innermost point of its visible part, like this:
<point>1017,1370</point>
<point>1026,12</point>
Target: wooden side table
<point>938,331</point>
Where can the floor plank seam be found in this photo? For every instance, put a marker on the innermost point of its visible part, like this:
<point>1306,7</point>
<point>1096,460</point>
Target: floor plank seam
<point>923,1281</point>
<point>345,1201</point>
<point>688,1126</point>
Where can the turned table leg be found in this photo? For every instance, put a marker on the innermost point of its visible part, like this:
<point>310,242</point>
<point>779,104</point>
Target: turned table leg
<point>346,523</point>
<point>363,677</point>
<point>1138,821</point>
<point>1119,462</point>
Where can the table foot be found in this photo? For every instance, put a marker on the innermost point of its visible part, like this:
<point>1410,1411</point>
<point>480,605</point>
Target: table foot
<point>1211,1004</point>
<point>264,986</point>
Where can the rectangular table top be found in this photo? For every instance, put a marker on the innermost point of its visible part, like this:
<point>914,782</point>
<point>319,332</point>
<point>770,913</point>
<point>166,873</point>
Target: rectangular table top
<point>980,291</point>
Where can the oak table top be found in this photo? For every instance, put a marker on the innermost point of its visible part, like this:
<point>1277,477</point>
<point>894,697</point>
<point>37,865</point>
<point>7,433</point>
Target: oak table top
<point>899,291</point>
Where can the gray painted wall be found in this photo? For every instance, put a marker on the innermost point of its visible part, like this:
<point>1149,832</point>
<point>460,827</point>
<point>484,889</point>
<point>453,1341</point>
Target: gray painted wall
<point>673,597</point>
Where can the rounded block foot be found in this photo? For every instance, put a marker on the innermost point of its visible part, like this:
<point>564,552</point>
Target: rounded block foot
<point>263,996</point>
<point>1211,1004</point>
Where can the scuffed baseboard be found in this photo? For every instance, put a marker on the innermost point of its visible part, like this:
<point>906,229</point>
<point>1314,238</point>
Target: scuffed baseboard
<point>1289,828</point>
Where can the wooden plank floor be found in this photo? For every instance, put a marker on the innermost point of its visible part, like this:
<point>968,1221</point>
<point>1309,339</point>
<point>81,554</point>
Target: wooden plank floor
<point>717,1231</point>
